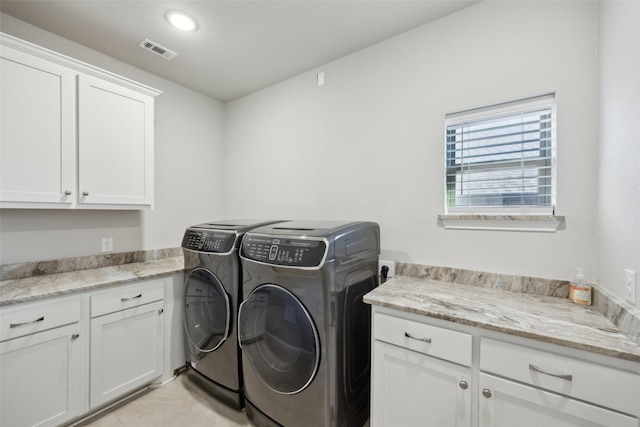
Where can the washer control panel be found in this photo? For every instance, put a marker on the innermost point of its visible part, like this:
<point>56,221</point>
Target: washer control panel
<point>208,241</point>
<point>284,251</point>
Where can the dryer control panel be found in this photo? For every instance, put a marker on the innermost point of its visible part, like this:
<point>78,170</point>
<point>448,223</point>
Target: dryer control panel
<point>284,251</point>
<point>208,241</point>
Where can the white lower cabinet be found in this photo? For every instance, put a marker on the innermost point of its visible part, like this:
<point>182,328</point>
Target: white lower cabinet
<point>63,358</point>
<point>557,382</point>
<point>127,343</point>
<point>412,387</point>
<point>41,359</point>
<point>426,372</point>
<point>505,403</point>
<point>126,351</point>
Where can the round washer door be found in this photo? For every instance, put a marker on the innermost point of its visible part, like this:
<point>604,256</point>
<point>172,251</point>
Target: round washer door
<point>207,310</point>
<point>280,339</point>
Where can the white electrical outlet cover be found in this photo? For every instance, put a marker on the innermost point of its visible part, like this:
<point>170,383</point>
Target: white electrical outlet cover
<point>390,264</point>
<point>107,244</point>
<point>630,286</point>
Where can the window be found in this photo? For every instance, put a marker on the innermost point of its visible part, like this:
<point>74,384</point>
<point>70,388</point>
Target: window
<point>501,159</point>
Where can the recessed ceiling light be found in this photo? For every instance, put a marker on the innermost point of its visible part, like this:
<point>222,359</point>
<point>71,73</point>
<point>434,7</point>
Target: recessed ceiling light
<point>182,21</point>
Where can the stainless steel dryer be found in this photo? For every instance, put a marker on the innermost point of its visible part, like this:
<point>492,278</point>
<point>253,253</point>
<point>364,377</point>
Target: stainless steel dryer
<point>212,294</point>
<point>304,330</point>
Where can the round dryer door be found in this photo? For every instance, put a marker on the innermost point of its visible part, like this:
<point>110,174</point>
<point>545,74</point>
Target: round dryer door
<point>280,339</point>
<point>207,310</point>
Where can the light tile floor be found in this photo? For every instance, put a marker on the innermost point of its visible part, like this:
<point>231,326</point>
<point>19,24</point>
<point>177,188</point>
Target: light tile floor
<point>177,403</point>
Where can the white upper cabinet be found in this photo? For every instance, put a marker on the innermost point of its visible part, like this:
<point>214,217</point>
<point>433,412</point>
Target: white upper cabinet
<point>37,132</point>
<point>73,136</point>
<point>115,144</point>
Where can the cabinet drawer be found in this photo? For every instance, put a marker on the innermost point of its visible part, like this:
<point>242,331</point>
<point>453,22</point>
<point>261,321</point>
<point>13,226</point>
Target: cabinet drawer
<point>432,340</point>
<point>126,297</point>
<point>589,381</point>
<point>27,319</point>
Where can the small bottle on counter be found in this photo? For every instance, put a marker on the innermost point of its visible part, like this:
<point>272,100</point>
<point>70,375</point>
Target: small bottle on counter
<point>579,290</point>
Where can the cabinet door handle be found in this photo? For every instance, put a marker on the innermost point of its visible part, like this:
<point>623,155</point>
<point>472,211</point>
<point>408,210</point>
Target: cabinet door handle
<point>534,368</point>
<point>160,311</point>
<point>464,385</point>
<point>408,335</point>
<point>486,392</point>
<point>17,325</point>
<point>67,193</point>
<point>75,336</point>
<point>85,193</point>
<point>123,299</point>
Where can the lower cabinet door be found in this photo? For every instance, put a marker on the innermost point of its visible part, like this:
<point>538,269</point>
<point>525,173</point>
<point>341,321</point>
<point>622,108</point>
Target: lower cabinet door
<point>504,403</point>
<point>126,351</point>
<point>412,389</point>
<point>41,378</point>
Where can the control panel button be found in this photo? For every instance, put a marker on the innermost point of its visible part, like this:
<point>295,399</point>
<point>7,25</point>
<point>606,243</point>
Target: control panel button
<point>273,251</point>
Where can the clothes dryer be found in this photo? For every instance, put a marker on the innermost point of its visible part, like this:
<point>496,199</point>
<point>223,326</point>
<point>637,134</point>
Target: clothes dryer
<point>212,294</point>
<point>304,330</point>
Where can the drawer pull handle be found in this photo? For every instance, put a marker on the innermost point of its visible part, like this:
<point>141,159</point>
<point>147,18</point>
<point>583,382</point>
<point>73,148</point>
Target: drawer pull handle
<point>17,325</point>
<point>534,368</point>
<point>408,335</point>
<point>130,298</point>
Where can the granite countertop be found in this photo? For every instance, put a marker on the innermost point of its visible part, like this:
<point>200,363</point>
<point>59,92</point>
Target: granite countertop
<point>50,285</point>
<point>545,318</point>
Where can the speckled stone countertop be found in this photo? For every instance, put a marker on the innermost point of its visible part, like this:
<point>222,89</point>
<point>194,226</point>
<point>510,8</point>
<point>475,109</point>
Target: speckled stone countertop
<point>541,317</point>
<point>36,287</point>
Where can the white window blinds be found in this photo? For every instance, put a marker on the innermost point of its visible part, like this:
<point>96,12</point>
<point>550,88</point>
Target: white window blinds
<point>501,158</point>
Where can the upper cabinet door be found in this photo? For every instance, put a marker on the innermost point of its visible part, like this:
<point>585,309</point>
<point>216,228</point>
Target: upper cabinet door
<point>115,144</point>
<point>37,132</point>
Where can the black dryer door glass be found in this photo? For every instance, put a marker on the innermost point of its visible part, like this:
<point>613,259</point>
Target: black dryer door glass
<point>280,339</point>
<point>207,310</point>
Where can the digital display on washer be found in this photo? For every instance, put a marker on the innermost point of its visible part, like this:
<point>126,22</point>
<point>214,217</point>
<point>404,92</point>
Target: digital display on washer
<point>208,241</point>
<point>280,251</point>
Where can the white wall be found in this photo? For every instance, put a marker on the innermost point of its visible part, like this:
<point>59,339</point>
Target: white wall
<point>370,143</point>
<point>618,228</point>
<point>189,132</point>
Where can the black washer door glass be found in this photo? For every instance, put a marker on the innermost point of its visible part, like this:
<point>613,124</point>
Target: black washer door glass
<point>207,310</point>
<point>279,338</point>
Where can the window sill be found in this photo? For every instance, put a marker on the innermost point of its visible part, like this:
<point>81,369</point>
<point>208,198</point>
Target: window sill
<point>540,223</point>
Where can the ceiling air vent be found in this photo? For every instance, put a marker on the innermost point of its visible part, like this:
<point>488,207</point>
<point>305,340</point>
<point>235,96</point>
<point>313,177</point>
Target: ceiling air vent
<point>157,49</point>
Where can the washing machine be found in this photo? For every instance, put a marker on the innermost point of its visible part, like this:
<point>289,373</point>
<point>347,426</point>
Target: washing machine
<point>212,294</point>
<point>304,331</point>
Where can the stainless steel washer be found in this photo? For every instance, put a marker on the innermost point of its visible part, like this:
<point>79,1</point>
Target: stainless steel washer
<point>304,330</point>
<point>212,294</point>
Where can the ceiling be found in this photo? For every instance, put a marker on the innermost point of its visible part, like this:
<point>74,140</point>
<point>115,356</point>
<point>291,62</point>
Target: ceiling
<point>240,46</point>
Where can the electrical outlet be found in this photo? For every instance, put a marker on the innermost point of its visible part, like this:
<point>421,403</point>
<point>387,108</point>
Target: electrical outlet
<point>630,286</point>
<point>107,244</point>
<point>390,264</point>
